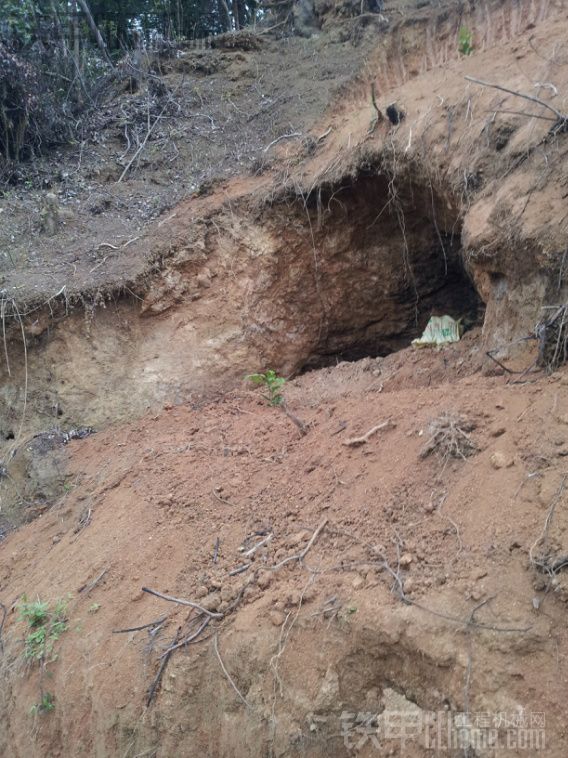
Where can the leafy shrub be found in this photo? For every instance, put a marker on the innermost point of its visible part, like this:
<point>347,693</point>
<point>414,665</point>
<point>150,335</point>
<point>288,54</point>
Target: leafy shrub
<point>46,704</point>
<point>465,41</point>
<point>45,627</point>
<point>273,384</point>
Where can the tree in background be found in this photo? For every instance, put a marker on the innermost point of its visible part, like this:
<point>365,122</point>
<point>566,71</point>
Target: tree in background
<point>54,53</point>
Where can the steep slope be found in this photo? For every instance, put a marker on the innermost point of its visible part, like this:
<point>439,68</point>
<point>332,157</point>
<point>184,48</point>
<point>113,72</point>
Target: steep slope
<point>420,593</point>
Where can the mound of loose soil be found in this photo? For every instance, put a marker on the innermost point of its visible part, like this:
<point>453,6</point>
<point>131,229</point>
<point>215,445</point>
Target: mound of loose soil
<point>430,585</point>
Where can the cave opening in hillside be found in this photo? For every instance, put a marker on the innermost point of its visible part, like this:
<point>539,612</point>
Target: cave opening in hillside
<point>389,257</point>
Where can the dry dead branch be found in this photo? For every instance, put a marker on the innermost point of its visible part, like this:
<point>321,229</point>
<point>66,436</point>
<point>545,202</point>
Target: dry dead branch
<point>240,569</point>
<point>300,556</point>
<point>218,497</point>
<point>86,588</point>
<point>562,118</point>
<point>292,135</point>
<point>258,545</point>
<point>552,336</point>
<point>4,614</point>
<point>190,638</point>
<point>156,623</point>
<point>356,441</point>
<point>158,678</point>
<point>449,438</point>
<point>294,419</point>
<point>182,601</point>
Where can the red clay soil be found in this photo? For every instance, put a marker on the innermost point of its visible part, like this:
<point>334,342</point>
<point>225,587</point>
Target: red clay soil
<point>166,502</point>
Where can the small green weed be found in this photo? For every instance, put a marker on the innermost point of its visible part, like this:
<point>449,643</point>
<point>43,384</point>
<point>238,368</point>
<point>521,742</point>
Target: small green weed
<point>46,705</point>
<point>465,41</point>
<point>272,383</point>
<point>45,626</point>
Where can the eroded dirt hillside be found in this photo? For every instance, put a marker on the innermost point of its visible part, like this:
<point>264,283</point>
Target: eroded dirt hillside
<point>407,553</point>
<point>429,587</point>
<point>340,246</point>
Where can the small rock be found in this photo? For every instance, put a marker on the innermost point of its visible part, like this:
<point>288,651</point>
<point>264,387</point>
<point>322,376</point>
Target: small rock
<point>536,601</point>
<point>405,560</point>
<point>277,618</point>
<point>501,460</point>
<point>203,280</point>
<point>295,597</point>
<point>56,539</point>
<point>227,593</point>
<point>409,586</point>
<point>329,693</point>
<point>264,579</point>
<point>498,432</point>
<point>201,591</point>
<point>212,601</point>
<point>429,507</point>
<point>358,583</point>
<point>215,584</point>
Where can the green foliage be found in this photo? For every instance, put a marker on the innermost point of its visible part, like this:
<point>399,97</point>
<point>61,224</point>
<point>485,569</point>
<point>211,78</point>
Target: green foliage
<point>465,41</point>
<point>272,383</point>
<point>46,704</point>
<point>18,19</point>
<point>45,626</point>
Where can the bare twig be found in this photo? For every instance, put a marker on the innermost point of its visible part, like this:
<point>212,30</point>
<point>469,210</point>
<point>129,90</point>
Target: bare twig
<point>2,316</point>
<point>489,354</point>
<point>525,113</point>
<point>182,601</point>
<point>189,639</point>
<point>220,499</point>
<point>356,441</point>
<point>158,678</point>
<point>241,697</point>
<point>240,569</point>
<point>86,588</point>
<point>4,614</point>
<point>560,116</point>
<point>378,115</point>
<point>279,139</point>
<point>294,419</point>
<point>216,550</point>
<point>300,556</point>
<point>258,545</point>
<point>158,622</point>
<point>143,143</point>
<point>324,135</point>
